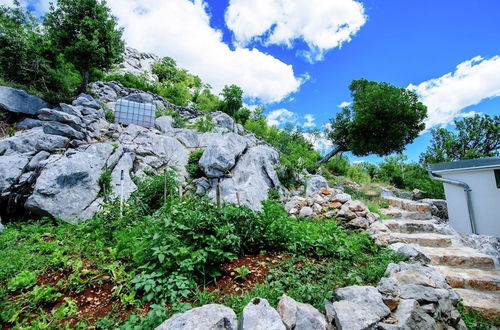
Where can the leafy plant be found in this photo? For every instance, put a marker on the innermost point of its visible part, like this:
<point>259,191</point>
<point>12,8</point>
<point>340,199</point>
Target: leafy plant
<point>193,165</point>
<point>242,272</point>
<point>42,294</point>
<point>23,280</point>
<point>104,183</point>
<point>204,124</point>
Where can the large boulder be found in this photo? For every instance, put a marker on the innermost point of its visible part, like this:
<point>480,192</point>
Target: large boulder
<point>221,155</point>
<point>259,315</point>
<point>349,315</point>
<point>31,142</point>
<point>411,316</point>
<point>300,316</point>
<point>208,317</point>
<point>366,296</point>
<point>68,186</point>
<point>18,101</point>
<point>252,178</point>
<point>314,184</point>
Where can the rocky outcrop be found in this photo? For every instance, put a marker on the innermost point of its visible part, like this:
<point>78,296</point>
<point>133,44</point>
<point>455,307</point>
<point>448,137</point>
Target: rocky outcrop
<point>411,296</point>
<point>54,165</point>
<point>20,102</point>
<point>137,63</point>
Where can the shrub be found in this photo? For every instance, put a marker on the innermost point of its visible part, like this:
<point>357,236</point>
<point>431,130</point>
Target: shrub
<point>193,167</point>
<point>204,124</point>
<point>23,280</point>
<point>358,174</point>
<point>338,165</point>
<point>132,81</point>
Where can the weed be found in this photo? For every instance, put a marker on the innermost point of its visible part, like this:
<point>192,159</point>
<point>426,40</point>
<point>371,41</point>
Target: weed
<point>242,272</point>
<point>23,280</point>
<point>193,165</point>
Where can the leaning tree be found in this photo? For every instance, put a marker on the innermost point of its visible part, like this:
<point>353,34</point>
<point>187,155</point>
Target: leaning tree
<point>382,119</point>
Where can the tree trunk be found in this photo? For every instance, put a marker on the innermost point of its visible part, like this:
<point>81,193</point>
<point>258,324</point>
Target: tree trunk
<point>85,81</point>
<point>330,155</point>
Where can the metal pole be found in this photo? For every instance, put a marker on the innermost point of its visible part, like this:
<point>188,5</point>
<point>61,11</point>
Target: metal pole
<point>238,198</point>
<point>164,186</point>
<point>121,193</point>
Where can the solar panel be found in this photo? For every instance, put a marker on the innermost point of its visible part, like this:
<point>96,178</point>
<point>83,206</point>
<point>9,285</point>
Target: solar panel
<point>128,112</point>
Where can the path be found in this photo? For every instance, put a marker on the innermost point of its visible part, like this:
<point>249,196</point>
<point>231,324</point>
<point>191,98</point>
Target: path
<point>473,274</point>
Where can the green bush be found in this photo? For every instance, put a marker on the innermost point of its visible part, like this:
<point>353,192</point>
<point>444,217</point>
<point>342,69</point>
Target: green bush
<point>338,165</point>
<point>204,124</point>
<point>358,174</point>
<point>193,167</point>
<point>132,81</point>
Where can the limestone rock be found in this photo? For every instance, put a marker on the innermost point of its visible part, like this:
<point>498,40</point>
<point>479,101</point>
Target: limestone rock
<point>208,317</point>
<point>66,187</point>
<point>18,101</point>
<point>31,141</point>
<point>389,289</point>
<point>350,315</point>
<point>367,296</point>
<point>164,124</point>
<point>28,123</point>
<point>299,316</point>
<point>411,316</point>
<point>259,315</point>
<point>60,116</point>
<point>56,128</point>
<point>11,168</point>
<point>220,156</point>
<point>306,212</point>
<point>314,184</point>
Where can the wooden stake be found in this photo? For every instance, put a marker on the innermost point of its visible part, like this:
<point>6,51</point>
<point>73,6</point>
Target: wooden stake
<point>238,198</point>
<point>218,194</point>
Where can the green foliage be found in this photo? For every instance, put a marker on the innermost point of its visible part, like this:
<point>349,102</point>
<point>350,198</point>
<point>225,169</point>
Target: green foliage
<point>358,174</point>
<point>86,33</point>
<point>178,121</point>
<point>193,166</point>
<point>133,81</point>
<point>382,119</point>
<point>242,272</point>
<point>204,124</point>
<point>232,99</point>
<point>338,165</point>
<point>109,115</point>
<point>206,101</point>
<point>409,176</point>
<point>104,183</point>
<point>474,320</point>
<point>242,115</point>
<point>23,280</point>
<point>474,137</point>
<point>42,294</point>
<point>38,66</point>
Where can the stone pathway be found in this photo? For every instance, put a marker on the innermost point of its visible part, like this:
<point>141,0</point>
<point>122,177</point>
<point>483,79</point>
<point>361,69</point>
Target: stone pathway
<point>473,274</point>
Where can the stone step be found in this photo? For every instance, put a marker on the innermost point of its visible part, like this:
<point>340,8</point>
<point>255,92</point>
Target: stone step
<point>413,226</point>
<point>471,278</point>
<point>422,239</point>
<point>396,213</point>
<point>487,303</point>
<point>459,257</point>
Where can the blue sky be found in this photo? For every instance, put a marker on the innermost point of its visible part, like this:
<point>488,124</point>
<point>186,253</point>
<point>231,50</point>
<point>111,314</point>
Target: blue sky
<point>298,56</point>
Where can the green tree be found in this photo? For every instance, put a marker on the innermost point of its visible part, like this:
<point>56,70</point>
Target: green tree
<point>382,119</point>
<point>474,137</point>
<point>232,99</point>
<point>86,33</point>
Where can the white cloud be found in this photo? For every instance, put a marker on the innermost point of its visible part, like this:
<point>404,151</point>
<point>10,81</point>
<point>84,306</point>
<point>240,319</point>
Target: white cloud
<point>181,29</point>
<point>320,142</point>
<point>281,116</point>
<point>321,24</point>
<point>309,120</point>
<point>344,104</point>
<point>472,81</point>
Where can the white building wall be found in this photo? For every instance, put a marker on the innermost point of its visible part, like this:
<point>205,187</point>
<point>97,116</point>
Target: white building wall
<point>485,201</point>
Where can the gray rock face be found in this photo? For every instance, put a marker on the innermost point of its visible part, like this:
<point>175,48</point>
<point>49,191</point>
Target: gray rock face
<point>413,252</point>
<point>60,116</point>
<point>223,122</point>
<point>28,123</point>
<point>349,315</point>
<point>220,156</point>
<point>18,101</point>
<point>411,316</point>
<point>11,168</point>
<point>367,296</point>
<point>126,186</point>
<point>314,184</point>
<point>300,316</point>
<point>252,178</point>
<point>439,208</point>
<point>136,62</point>
<point>164,124</point>
<point>32,141</point>
<point>1,227</point>
<point>306,212</point>
<point>259,315</point>
<point>208,317</point>
<point>483,243</point>
<point>389,289</point>
<point>56,128</point>
<point>66,187</point>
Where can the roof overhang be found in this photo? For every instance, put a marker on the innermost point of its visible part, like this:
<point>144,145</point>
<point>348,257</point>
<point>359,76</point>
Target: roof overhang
<point>466,165</point>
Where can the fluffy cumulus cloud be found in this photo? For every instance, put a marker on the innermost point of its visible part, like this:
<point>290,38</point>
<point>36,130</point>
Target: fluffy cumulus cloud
<point>281,116</point>
<point>309,121</point>
<point>181,29</point>
<point>319,141</point>
<point>472,81</point>
<point>321,24</point>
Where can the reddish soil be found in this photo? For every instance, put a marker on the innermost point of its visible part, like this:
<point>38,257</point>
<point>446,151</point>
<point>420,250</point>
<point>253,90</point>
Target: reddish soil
<point>231,283</point>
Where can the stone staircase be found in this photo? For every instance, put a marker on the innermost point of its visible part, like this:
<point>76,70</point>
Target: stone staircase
<point>473,274</point>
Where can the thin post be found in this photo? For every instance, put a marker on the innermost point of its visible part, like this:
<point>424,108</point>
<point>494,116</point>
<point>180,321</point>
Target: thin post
<point>180,191</point>
<point>238,198</point>
<point>164,186</point>
<point>121,193</point>
<point>218,194</point>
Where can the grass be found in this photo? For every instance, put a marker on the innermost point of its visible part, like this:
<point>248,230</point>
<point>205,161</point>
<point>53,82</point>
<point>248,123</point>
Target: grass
<point>474,320</point>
